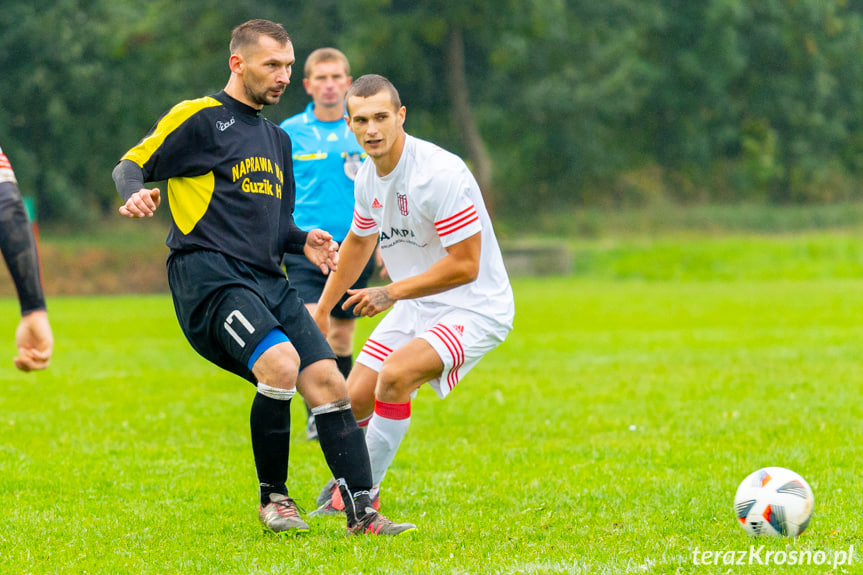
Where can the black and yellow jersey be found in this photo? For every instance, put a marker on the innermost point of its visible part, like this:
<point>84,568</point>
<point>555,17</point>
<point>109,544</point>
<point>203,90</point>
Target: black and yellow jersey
<point>230,183</point>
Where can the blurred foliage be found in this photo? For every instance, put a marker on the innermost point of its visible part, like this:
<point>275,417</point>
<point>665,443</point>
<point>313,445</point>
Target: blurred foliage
<point>579,103</point>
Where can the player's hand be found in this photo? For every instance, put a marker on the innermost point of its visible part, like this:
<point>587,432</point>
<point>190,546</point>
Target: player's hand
<point>369,302</point>
<point>35,341</point>
<point>142,204</point>
<point>323,321</point>
<point>322,251</point>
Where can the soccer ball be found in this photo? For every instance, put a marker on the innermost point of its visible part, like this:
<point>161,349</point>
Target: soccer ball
<point>774,501</point>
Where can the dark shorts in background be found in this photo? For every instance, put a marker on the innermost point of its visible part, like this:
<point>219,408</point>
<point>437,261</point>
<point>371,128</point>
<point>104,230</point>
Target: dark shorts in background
<point>225,308</point>
<point>309,282</point>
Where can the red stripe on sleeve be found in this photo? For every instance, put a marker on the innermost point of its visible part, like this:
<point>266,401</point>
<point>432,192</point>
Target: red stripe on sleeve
<point>460,220</point>
<point>448,232</point>
<point>363,223</point>
<point>461,213</point>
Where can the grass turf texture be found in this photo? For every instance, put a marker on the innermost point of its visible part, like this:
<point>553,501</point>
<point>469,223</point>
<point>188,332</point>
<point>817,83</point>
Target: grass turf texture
<point>607,435</point>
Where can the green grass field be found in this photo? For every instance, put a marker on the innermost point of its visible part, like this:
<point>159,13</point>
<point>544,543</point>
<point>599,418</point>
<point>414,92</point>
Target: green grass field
<point>607,435</point>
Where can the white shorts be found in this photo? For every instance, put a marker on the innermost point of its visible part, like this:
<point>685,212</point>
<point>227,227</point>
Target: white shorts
<point>460,337</point>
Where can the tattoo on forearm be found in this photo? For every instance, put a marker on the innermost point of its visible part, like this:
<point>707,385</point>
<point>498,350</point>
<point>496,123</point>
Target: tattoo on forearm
<point>379,298</point>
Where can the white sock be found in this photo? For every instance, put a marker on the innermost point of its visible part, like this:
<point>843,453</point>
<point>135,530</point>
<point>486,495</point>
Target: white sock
<point>384,434</point>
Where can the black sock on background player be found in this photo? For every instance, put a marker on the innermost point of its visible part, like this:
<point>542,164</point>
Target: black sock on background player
<point>345,363</point>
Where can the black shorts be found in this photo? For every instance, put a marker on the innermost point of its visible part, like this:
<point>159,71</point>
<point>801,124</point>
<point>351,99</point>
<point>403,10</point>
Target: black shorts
<point>309,282</point>
<point>225,308</point>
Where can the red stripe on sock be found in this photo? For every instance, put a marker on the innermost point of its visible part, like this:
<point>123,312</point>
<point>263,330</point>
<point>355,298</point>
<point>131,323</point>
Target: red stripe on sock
<point>364,421</point>
<point>393,410</point>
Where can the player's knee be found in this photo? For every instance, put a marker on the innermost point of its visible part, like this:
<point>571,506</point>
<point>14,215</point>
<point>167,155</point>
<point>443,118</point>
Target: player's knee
<point>362,405</point>
<point>395,377</point>
<point>361,389</point>
<point>278,366</point>
<point>321,382</point>
<point>333,380</point>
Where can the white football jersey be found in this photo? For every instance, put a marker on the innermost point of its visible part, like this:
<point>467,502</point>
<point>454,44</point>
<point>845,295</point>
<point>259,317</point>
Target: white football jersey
<point>428,202</point>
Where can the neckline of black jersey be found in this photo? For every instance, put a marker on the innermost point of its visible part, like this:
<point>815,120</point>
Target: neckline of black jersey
<point>247,111</point>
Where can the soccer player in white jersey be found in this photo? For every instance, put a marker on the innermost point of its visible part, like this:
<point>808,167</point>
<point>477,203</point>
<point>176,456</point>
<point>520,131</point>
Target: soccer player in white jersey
<point>451,298</point>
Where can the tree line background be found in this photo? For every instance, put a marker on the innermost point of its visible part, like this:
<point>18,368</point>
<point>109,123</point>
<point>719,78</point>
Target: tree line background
<point>553,103</point>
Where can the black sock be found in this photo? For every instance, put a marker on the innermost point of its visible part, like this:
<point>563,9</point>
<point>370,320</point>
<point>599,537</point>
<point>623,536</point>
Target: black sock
<point>345,451</point>
<point>270,421</point>
<point>345,363</point>
<point>356,502</point>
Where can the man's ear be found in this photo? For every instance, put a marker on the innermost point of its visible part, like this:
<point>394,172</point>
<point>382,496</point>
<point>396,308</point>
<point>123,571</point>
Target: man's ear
<point>236,64</point>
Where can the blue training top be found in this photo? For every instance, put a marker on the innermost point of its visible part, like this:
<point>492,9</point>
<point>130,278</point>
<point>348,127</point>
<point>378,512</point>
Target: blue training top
<point>326,157</point>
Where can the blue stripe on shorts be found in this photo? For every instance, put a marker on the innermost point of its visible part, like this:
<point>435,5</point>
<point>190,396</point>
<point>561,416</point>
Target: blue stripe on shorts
<point>271,339</point>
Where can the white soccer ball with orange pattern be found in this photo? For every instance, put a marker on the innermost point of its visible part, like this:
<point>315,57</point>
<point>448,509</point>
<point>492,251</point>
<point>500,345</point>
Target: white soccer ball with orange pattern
<point>774,501</point>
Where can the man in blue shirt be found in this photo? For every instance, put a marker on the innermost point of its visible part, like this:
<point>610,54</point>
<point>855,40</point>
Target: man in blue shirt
<point>326,157</point>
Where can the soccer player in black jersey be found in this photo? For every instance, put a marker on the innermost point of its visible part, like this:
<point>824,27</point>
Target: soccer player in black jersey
<point>33,336</point>
<point>230,190</point>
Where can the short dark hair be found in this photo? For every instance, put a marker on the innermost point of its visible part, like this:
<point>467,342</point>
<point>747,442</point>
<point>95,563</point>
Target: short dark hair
<point>249,32</point>
<point>370,84</point>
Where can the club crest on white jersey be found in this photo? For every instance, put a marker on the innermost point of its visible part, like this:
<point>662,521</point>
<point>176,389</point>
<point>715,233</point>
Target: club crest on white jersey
<point>353,161</point>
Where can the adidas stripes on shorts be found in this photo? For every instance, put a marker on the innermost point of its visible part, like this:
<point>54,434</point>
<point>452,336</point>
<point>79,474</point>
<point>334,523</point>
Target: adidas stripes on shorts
<point>460,337</point>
